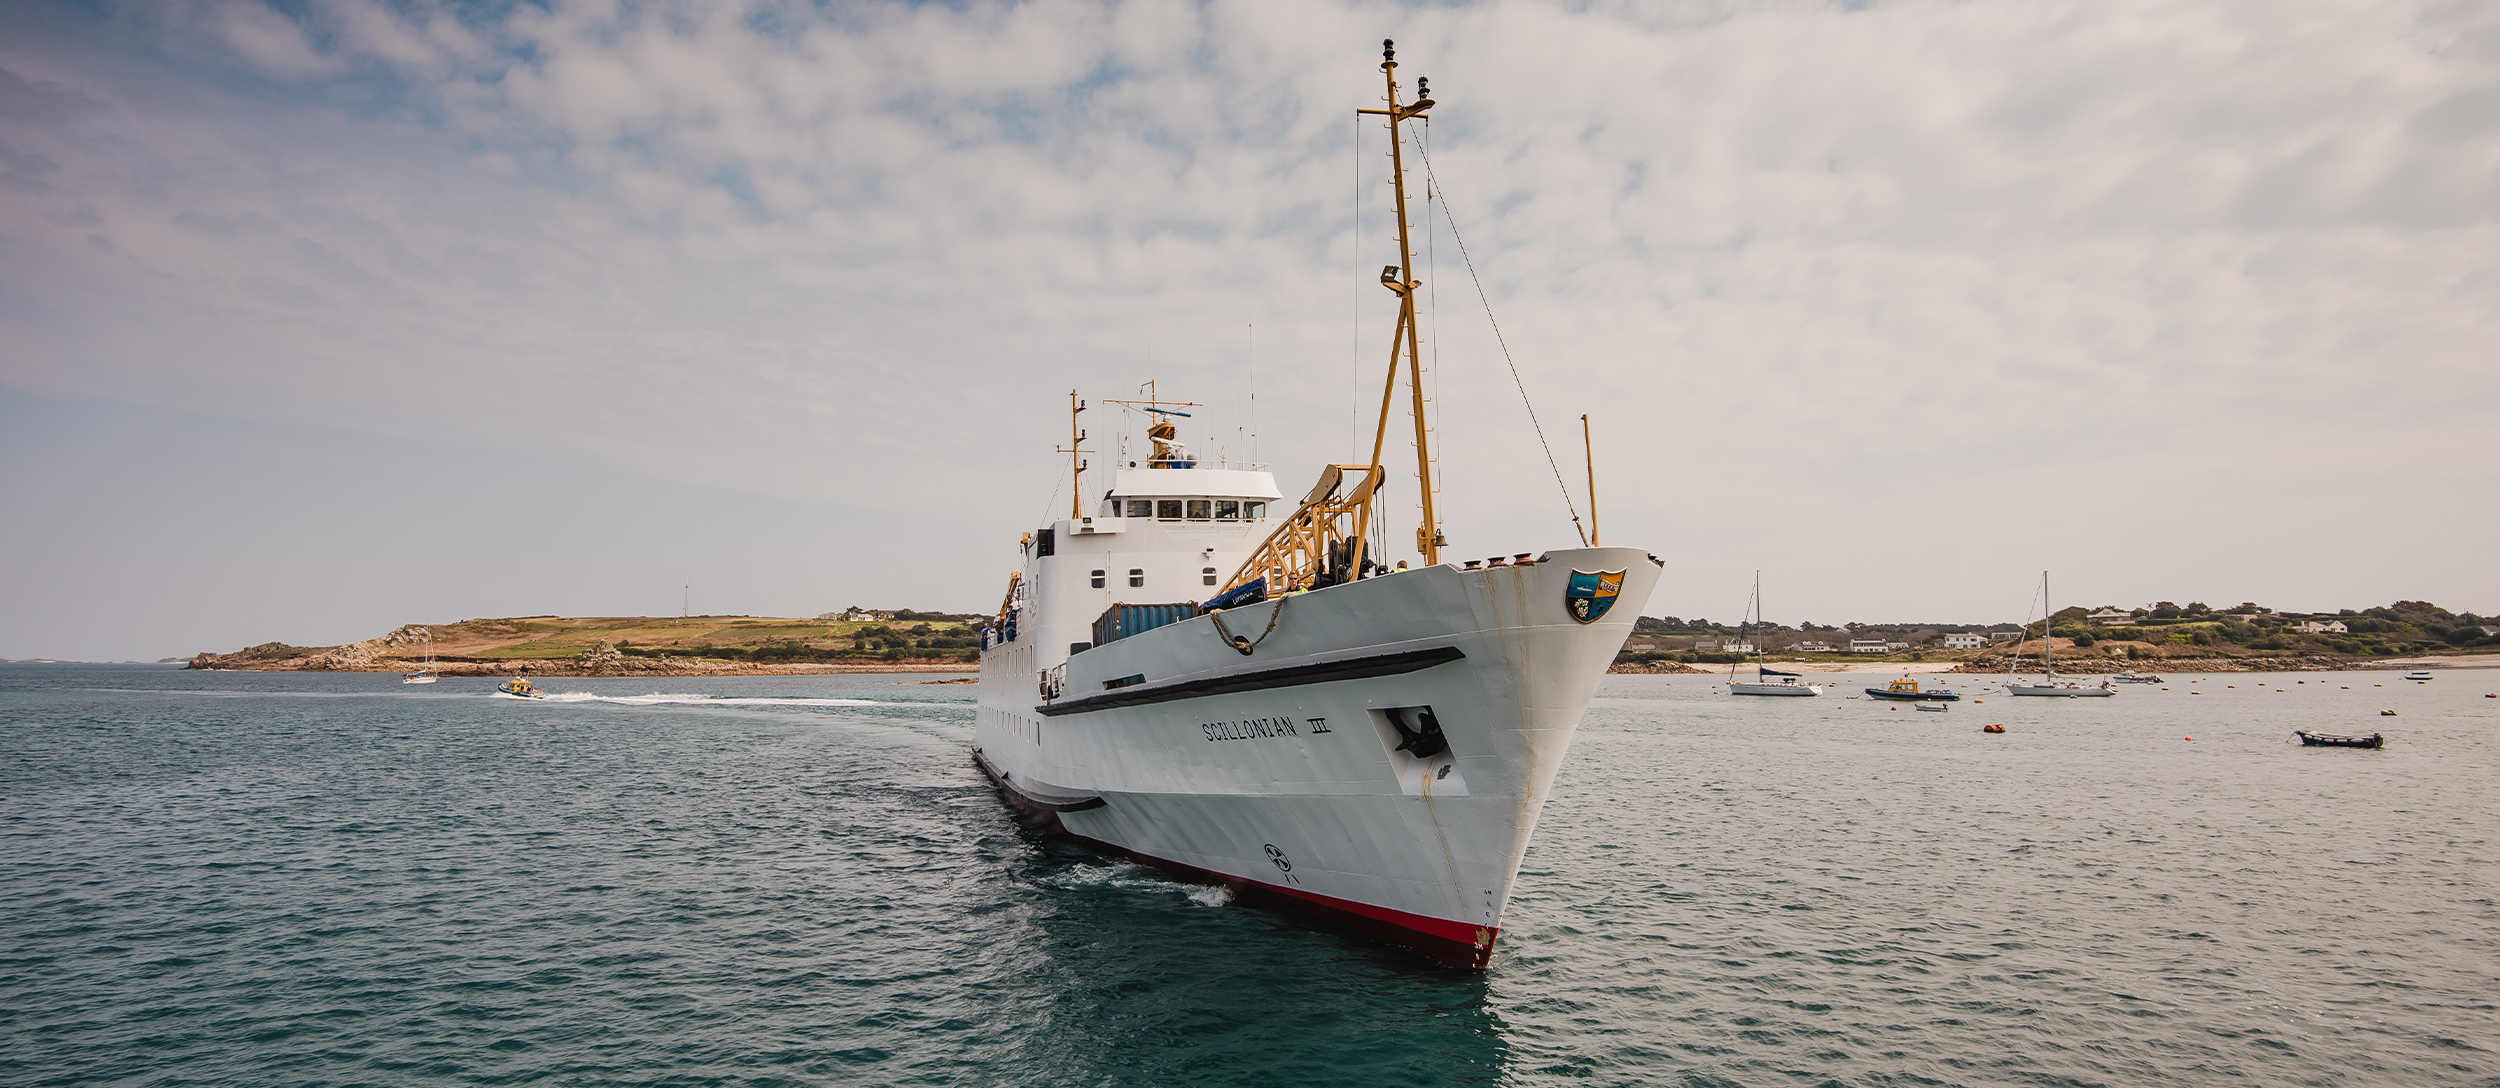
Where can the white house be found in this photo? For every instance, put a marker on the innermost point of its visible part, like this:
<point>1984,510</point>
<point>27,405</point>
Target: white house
<point>1814,647</point>
<point>2313,627</point>
<point>1868,646</point>
<point>1965,642</point>
<point>1893,646</point>
<point>1737,646</point>
<point>2111,617</point>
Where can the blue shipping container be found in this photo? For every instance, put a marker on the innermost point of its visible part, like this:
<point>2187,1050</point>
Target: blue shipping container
<point>1122,620</point>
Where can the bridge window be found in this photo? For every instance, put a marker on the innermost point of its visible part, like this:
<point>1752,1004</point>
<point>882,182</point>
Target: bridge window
<point>1198,510</point>
<point>1228,510</point>
<point>1254,510</point>
<point>1168,509</point>
<point>1098,579</point>
<point>1207,574</point>
<point>1141,508</point>
<point>1136,577</point>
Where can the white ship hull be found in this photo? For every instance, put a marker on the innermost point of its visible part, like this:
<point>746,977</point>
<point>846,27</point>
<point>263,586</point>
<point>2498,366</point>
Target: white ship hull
<point>1278,773</point>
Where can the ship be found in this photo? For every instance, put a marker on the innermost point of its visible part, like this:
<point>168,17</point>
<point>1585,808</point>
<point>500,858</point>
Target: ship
<point>1203,674</point>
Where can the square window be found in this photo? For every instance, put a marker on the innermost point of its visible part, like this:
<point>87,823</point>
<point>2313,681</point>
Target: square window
<point>1254,510</point>
<point>1098,579</point>
<point>1141,508</point>
<point>1207,573</point>
<point>1136,577</point>
<point>1169,509</point>
<point>1198,510</point>
<point>1228,510</point>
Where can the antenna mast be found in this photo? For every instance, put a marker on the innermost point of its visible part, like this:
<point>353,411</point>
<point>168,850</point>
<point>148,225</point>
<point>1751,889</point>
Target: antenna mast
<point>1076,466</point>
<point>1400,280</point>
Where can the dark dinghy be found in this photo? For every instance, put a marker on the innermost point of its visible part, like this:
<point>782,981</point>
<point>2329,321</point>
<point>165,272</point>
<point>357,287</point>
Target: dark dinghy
<point>2330,740</point>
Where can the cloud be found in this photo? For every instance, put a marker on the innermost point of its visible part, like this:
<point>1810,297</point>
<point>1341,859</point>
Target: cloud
<point>1803,262</point>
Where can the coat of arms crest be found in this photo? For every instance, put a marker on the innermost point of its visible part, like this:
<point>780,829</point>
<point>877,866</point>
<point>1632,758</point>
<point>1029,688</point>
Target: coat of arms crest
<point>1591,593</point>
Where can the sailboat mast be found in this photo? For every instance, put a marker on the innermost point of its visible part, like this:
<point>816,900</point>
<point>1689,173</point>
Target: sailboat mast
<point>2048,624</point>
<point>1401,280</point>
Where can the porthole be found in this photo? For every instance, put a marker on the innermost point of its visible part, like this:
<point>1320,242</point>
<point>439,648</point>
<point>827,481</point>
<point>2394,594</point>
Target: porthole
<point>1136,577</point>
<point>1207,574</point>
<point>1098,576</point>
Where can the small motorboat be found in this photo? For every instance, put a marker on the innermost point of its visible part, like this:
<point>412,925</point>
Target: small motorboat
<point>2133,677</point>
<point>2332,740</point>
<point>520,689</point>
<point>2418,674</point>
<point>1907,690</point>
<point>1936,707</point>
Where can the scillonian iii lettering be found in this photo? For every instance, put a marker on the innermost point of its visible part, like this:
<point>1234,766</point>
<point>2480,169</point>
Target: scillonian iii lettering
<point>1250,729</point>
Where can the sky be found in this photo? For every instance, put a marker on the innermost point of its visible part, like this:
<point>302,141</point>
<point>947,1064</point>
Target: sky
<point>323,316</point>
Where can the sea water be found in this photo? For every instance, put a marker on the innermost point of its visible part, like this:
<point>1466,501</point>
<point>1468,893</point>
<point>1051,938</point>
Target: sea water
<point>317,879</point>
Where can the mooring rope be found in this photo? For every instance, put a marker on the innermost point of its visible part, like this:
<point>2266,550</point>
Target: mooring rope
<point>1505,343</point>
<point>1245,645</point>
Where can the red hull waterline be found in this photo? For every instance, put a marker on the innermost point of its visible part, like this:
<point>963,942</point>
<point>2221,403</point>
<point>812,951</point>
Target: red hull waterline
<point>1455,944</point>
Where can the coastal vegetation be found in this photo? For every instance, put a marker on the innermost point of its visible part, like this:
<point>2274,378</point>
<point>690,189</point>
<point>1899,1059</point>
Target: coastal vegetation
<point>2094,639</point>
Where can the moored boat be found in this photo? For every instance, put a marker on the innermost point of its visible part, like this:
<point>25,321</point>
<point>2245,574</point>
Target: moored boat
<point>1767,680</point>
<point>2050,686</point>
<point>425,672</point>
<point>2418,674</point>
<point>1288,715</point>
<point>2333,740</point>
<point>1907,690</point>
<point>1770,681</point>
<point>2133,677</point>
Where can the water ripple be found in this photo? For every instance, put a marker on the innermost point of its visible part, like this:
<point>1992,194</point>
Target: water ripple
<point>328,880</point>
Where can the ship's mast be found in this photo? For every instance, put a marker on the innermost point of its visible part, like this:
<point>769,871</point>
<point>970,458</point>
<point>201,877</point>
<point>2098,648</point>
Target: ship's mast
<point>1400,280</point>
<point>1075,452</point>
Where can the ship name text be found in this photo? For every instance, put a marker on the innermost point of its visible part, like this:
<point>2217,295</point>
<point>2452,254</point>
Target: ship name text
<point>1251,728</point>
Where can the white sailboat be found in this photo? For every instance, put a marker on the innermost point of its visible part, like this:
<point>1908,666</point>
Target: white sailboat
<point>1767,680</point>
<point>2051,687</point>
<point>1299,724</point>
<point>425,674</point>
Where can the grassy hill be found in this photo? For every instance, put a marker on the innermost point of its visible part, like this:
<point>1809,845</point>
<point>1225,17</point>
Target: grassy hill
<point>633,644</point>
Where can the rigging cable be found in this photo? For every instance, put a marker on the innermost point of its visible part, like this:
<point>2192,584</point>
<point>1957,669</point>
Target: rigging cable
<point>1354,386</point>
<point>1432,288</point>
<point>1461,239</point>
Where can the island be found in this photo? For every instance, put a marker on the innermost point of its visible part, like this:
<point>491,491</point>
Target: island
<point>855,641</point>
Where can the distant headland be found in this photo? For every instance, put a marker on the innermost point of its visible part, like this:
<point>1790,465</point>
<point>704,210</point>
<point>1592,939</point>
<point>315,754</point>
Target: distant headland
<point>854,641</point>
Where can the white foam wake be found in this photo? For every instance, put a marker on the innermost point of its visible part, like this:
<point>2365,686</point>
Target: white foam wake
<point>665,699</point>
